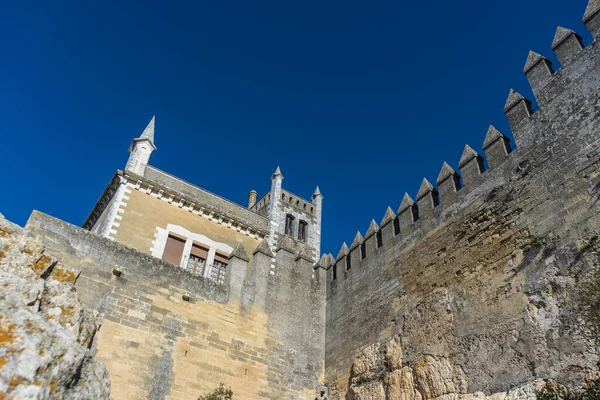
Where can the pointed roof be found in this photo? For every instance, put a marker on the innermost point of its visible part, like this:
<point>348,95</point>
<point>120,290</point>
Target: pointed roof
<point>373,228</point>
<point>324,262</point>
<point>286,243</point>
<point>263,248</point>
<point>388,217</point>
<point>343,251</point>
<point>425,188</point>
<point>149,131</point>
<point>317,193</point>
<point>304,253</point>
<point>561,35</point>
<point>492,135</point>
<point>467,155</point>
<point>592,9</point>
<point>513,99</point>
<point>532,59</point>
<point>358,239</point>
<point>407,202</point>
<point>445,172</point>
<point>277,173</point>
<point>147,134</point>
<point>240,252</point>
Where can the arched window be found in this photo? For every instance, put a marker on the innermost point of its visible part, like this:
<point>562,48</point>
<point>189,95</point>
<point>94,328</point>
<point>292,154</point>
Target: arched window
<point>289,225</point>
<point>302,231</point>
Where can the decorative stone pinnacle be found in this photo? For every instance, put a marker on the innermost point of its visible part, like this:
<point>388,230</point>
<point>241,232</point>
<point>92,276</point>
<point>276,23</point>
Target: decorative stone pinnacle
<point>388,217</point>
<point>561,35</point>
<point>425,189</point>
<point>343,251</point>
<point>358,239</point>
<point>148,133</point>
<point>492,135</point>
<point>407,202</point>
<point>277,173</point>
<point>445,172</point>
<point>263,248</point>
<point>513,98</point>
<point>467,155</point>
<point>317,193</point>
<point>592,9</point>
<point>239,252</point>
<point>373,228</point>
<point>532,59</point>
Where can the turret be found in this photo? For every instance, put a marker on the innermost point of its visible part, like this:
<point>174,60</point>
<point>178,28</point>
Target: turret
<point>252,198</point>
<point>141,149</point>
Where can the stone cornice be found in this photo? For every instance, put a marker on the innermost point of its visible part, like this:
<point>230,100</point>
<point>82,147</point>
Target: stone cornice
<point>175,198</point>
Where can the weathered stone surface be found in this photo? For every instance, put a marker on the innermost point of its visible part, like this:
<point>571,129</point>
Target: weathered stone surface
<point>45,334</point>
<point>402,385</point>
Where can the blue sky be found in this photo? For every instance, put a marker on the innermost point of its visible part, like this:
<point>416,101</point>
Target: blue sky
<point>363,99</point>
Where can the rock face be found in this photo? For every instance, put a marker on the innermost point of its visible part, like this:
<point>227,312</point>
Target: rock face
<point>46,337</point>
<point>379,373</point>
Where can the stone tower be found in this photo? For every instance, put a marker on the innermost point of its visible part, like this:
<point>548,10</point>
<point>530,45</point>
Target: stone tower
<point>141,149</point>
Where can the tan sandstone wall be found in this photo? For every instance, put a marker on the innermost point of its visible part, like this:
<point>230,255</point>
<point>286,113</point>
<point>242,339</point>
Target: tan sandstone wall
<point>143,213</point>
<point>158,346</point>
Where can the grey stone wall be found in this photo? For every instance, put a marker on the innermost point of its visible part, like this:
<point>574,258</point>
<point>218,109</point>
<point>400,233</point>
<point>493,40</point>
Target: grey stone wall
<point>488,279</point>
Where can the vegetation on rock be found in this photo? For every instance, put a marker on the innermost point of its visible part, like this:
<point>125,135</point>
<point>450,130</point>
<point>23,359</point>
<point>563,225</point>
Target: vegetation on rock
<point>220,393</point>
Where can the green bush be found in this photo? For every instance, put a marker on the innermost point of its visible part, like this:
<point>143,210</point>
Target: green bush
<point>361,380</point>
<point>220,393</point>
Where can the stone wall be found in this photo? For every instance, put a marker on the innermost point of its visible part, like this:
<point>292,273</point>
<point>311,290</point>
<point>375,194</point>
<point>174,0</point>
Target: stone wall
<point>487,278</point>
<point>264,337</point>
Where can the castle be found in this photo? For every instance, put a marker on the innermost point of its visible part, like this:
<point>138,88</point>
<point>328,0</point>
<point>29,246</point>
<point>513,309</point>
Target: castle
<point>467,289</point>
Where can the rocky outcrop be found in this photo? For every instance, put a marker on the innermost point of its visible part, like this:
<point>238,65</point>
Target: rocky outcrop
<point>380,373</point>
<point>46,336</point>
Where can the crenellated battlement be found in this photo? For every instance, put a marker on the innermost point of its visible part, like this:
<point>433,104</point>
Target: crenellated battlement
<point>533,129</point>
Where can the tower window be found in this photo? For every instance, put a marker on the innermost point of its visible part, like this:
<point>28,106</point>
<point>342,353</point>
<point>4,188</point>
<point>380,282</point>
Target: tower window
<point>289,225</point>
<point>363,251</point>
<point>379,239</point>
<point>396,226</point>
<point>334,271</point>
<point>302,231</point>
<point>348,262</point>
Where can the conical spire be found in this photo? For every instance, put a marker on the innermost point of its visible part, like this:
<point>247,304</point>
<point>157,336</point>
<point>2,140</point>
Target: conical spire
<point>492,135</point>
<point>343,251</point>
<point>317,193</point>
<point>592,8</point>
<point>445,172</point>
<point>373,228</point>
<point>358,239</point>
<point>407,202</point>
<point>149,131</point>
<point>467,155</point>
<point>389,216</point>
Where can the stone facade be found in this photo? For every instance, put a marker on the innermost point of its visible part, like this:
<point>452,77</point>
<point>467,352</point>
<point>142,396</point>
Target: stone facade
<point>468,292</point>
<point>485,282</point>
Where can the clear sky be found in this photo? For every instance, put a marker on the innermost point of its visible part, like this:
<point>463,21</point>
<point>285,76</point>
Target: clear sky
<point>363,98</point>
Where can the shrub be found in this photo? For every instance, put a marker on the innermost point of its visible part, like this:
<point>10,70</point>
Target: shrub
<point>220,393</point>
